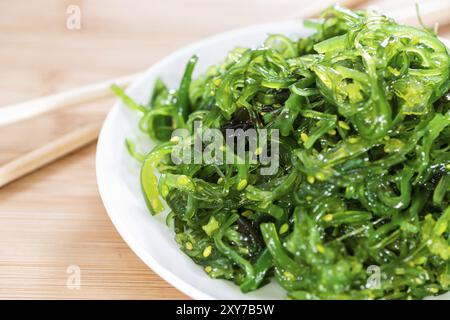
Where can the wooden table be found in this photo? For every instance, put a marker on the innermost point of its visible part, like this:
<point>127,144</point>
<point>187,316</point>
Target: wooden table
<point>54,218</point>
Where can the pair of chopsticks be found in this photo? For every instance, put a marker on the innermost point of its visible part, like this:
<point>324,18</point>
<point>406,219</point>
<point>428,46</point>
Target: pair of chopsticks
<point>63,145</point>
<point>435,10</point>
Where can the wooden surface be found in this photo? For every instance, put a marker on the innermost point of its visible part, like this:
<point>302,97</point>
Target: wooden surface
<point>54,218</point>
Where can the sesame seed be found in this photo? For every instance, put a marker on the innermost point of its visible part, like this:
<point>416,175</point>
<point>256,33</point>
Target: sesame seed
<point>304,137</point>
<point>242,184</point>
<point>352,140</point>
<point>289,275</point>
<point>183,180</point>
<point>320,176</point>
<point>247,213</point>
<point>284,228</point>
<point>343,125</point>
<point>207,251</point>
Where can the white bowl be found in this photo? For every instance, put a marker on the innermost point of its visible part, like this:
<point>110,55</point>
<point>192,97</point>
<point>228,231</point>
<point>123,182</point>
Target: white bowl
<point>118,174</point>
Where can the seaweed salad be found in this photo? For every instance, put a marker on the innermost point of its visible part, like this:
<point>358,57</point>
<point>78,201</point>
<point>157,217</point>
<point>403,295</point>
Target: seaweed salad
<point>362,107</point>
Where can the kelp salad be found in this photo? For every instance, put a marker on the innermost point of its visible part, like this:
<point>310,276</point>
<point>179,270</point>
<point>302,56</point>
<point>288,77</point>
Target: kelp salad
<point>363,110</point>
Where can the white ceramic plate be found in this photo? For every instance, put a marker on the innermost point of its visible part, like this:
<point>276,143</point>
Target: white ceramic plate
<point>118,173</point>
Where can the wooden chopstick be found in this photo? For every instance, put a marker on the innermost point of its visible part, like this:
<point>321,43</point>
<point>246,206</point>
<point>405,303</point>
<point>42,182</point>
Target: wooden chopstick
<point>85,135</point>
<point>29,109</point>
<point>48,153</point>
<point>66,143</point>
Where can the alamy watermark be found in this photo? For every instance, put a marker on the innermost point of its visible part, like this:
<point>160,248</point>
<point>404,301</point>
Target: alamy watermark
<point>241,147</point>
<point>73,20</point>
<point>374,280</point>
<point>73,281</point>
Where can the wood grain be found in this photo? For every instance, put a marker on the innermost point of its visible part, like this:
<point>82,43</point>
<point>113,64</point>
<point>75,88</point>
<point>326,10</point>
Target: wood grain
<point>54,218</point>
<point>49,153</point>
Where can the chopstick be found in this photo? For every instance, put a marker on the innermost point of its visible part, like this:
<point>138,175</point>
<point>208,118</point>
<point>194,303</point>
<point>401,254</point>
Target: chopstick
<point>63,145</point>
<point>87,134</point>
<point>48,153</point>
<point>29,109</point>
